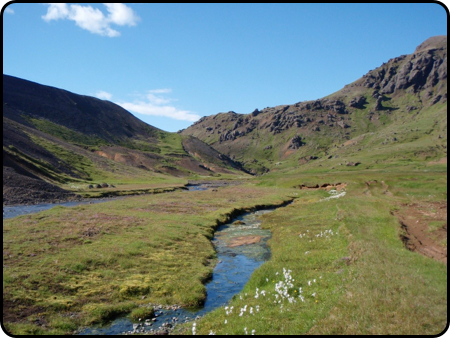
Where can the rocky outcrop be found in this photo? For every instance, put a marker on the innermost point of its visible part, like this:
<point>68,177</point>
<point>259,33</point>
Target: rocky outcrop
<point>342,124</point>
<point>295,143</point>
<point>422,70</point>
<point>358,102</point>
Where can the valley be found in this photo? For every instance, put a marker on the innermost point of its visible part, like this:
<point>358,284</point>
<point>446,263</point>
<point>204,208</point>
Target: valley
<point>361,248</point>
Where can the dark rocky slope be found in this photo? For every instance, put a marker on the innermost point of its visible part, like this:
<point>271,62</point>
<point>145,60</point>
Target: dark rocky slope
<point>52,137</point>
<point>84,114</point>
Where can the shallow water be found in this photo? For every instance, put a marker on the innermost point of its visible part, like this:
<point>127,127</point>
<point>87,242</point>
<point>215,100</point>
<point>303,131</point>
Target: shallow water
<point>196,187</point>
<point>233,270</point>
<point>19,210</point>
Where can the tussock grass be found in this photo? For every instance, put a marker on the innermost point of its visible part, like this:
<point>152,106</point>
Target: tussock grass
<point>101,260</point>
<point>366,282</point>
<point>343,255</point>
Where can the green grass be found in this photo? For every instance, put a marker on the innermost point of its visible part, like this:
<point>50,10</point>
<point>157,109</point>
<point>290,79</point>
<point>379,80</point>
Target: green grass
<point>128,180</point>
<point>366,281</point>
<point>92,259</point>
<point>64,133</point>
<point>99,261</point>
<point>82,165</point>
<point>171,143</point>
<point>142,313</point>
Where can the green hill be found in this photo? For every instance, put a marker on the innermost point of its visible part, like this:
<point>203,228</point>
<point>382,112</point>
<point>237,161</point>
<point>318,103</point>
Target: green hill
<point>53,138</point>
<point>394,114</point>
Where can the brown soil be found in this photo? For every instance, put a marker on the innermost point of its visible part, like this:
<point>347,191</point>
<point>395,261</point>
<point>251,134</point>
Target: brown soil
<point>22,189</point>
<point>419,234</point>
<point>441,161</point>
<point>325,186</point>
<point>16,312</point>
<point>244,240</point>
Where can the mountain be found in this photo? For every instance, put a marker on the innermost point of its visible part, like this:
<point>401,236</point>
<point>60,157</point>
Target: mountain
<point>394,113</point>
<point>54,139</point>
<point>56,143</point>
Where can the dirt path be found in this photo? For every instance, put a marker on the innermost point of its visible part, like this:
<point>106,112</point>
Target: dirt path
<point>425,227</point>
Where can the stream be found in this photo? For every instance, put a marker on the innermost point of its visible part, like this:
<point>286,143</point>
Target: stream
<point>19,210</point>
<point>236,262</point>
<point>241,247</point>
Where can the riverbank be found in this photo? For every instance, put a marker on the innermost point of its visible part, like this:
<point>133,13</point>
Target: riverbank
<point>152,246</point>
<point>334,258</point>
<point>26,209</point>
<point>339,265</point>
<point>235,264</point>
<point>38,205</point>
<point>66,196</point>
<point>11,199</point>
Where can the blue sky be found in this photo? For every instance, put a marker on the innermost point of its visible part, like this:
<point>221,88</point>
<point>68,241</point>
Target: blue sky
<point>170,64</point>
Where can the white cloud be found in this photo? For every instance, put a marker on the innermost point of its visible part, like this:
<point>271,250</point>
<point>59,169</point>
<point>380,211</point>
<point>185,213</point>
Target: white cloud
<point>9,10</point>
<point>157,106</point>
<point>121,15</point>
<point>158,99</point>
<point>103,95</point>
<point>160,91</point>
<point>92,19</point>
<point>56,12</point>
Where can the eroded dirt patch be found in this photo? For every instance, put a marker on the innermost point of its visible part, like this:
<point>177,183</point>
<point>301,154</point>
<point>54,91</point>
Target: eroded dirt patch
<point>425,228</point>
<point>16,312</point>
<point>324,186</point>
<point>441,161</point>
<point>375,183</point>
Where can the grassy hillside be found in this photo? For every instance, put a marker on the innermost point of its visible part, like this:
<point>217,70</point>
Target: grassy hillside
<point>74,142</point>
<point>398,110</point>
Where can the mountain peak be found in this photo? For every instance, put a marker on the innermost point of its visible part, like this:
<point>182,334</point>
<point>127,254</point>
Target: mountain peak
<point>435,42</point>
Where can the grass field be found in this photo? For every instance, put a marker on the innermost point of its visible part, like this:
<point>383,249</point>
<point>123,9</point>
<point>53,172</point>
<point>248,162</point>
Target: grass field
<point>342,264</point>
<point>351,274</point>
<point>97,261</point>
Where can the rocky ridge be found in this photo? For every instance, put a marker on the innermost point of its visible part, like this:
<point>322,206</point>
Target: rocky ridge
<point>421,75</point>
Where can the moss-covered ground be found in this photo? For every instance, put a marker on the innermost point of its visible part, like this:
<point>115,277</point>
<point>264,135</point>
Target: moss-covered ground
<point>338,265</point>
